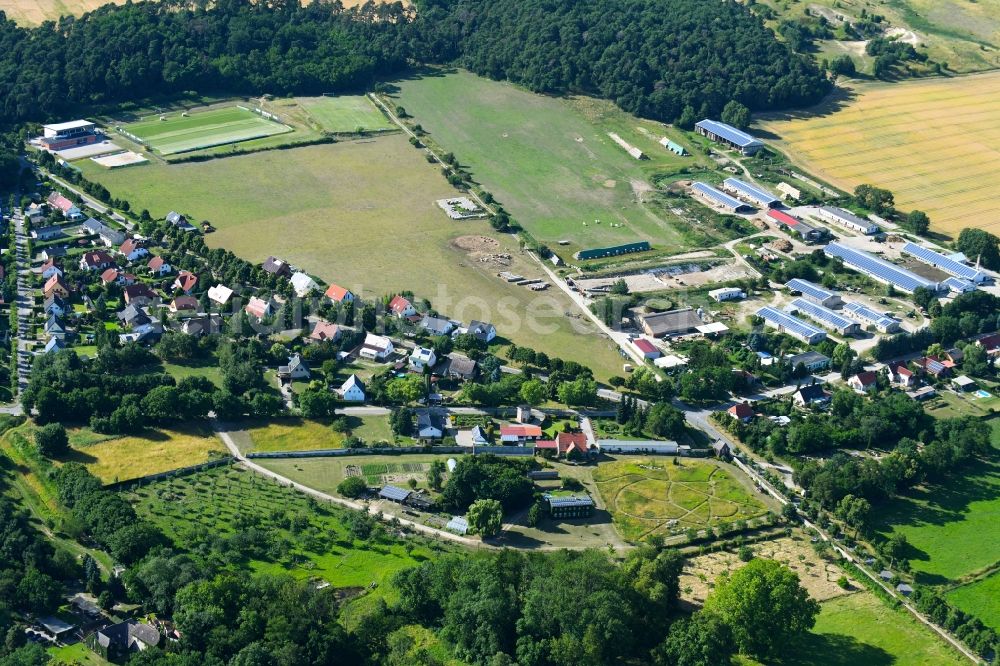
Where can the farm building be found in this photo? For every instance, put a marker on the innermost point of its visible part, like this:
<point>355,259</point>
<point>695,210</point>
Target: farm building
<point>629,148</point>
<point>646,348</point>
<point>569,506</point>
<point>879,269</point>
<point>394,494</point>
<point>673,146</point>
<point>945,263</point>
<point>673,322</point>
<point>958,285</point>
<point>727,294</point>
<point>814,292</point>
<point>788,191</point>
<point>520,434</point>
<point>824,316</point>
<point>72,134</point>
<point>870,317</point>
<point>638,446</point>
<point>792,223</point>
<point>810,360</point>
<point>750,192</point>
<point>847,219</point>
<point>793,326</point>
<point>714,197</point>
<point>729,136</point>
<point>601,252</point>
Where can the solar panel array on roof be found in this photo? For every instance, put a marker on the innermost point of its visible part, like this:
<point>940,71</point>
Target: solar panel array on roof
<point>729,133</point>
<point>394,493</point>
<point>569,500</point>
<point>958,285</point>
<point>865,313</point>
<point>947,264</point>
<point>879,269</point>
<point>791,325</point>
<point>809,289</point>
<point>718,196</point>
<point>823,315</point>
<point>752,192</point>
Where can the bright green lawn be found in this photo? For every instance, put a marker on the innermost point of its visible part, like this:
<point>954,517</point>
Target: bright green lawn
<point>78,653</point>
<point>981,599</point>
<point>385,187</point>
<point>346,113</point>
<point>210,371</point>
<point>202,129</point>
<point>550,161</point>
<point>952,527</point>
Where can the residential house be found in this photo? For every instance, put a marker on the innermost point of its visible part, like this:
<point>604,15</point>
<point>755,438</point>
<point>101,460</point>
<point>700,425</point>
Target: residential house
<point>436,325</point>
<point>352,390</point>
<point>741,411</point>
<point>422,357</point>
<point>53,252</point>
<point>115,276</point>
<point>258,308</point>
<point>376,348</point>
<point>139,294</point>
<point>429,426</point>
<point>49,268</point>
<point>53,345</point>
<point>902,376</point>
<point>520,435</point>
<point>69,210</point>
<point>220,294</point>
<point>205,324</point>
<point>117,641</point>
<point>132,251</point>
<point>722,450</point>
<point>55,305</point>
<point>47,233</point>
<point>563,507</point>
<point>179,221</point>
<point>458,366</point>
<point>933,366</point>
<point>991,343</point>
<point>339,294</point>
<point>34,213</point>
<point>964,383</point>
<point>276,266</point>
<point>953,356</point>
<point>303,284</point>
<point>148,333</point>
<point>55,286</point>
<point>133,316</point>
<point>54,327</point>
<point>401,307</point>
<point>97,260</point>
<point>482,331</point>
<point>810,395</point>
<point>479,436</point>
<point>863,382</point>
<point>184,304</point>
<point>813,361</point>
<point>186,281</point>
<point>159,266</point>
<point>296,369</point>
<point>325,331</point>
<point>574,445</point>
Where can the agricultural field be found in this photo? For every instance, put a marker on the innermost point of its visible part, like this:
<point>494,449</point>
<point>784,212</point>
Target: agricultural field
<point>935,142</point>
<point>223,502</point>
<point>655,496</point>
<point>324,474</point>
<point>173,133</point>
<point>385,187</point>
<point>35,12</point>
<point>951,527</point>
<point>152,452</point>
<point>297,434</point>
<point>981,599</point>
<point>345,113</point>
<point>550,161</point>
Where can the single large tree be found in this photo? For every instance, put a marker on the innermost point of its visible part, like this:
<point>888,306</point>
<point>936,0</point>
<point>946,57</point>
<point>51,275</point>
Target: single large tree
<point>764,605</point>
<point>485,517</point>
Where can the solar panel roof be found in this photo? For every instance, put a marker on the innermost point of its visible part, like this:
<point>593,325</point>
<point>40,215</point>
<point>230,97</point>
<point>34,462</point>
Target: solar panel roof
<point>752,191</point>
<point>394,493</point>
<point>719,196</point>
<point>788,322</point>
<point>947,264</point>
<point>821,314</point>
<point>809,289</point>
<point>866,313</point>
<point>730,133</point>
<point>879,269</point>
<point>958,284</point>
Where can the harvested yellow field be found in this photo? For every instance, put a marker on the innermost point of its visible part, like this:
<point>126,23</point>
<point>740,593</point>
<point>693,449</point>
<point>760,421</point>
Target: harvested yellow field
<point>934,143</point>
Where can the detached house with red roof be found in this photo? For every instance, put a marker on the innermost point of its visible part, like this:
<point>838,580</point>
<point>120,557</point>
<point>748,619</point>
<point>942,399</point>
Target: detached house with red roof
<point>132,251</point>
<point>139,295</point>
<point>570,445</point>
<point>186,280</point>
<point>159,266</point>
<point>339,294</point>
<point>863,382</point>
<point>96,261</point>
<point>258,308</point>
<point>520,435</point>
<point>401,307</point>
<point>902,376</point>
<point>49,268</point>
<point>325,331</point>
<point>55,286</point>
<point>741,412</point>
<point>991,343</point>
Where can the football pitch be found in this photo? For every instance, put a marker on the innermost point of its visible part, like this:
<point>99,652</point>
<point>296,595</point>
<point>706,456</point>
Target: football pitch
<point>347,113</point>
<point>177,133</point>
<point>933,143</point>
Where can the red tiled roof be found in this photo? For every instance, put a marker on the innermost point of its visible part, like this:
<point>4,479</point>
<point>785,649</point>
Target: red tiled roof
<point>399,305</point>
<point>645,346</point>
<point>324,330</point>
<point>53,281</point>
<point>741,411</point>
<point>109,275</point>
<point>867,378</point>
<point>990,341</point>
<point>567,441</point>
<point>97,258</point>
<point>521,431</point>
<point>547,444</point>
<point>185,303</point>
<point>906,372</point>
<point>336,293</point>
<point>257,307</point>
<point>186,280</point>
<point>156,263</point>
<point>129,246</point>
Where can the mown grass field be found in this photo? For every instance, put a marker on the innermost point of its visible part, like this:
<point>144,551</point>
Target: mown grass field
<point>550,161</point>
<point>345,113</point>
<point>203,129</point>
<point>981,598</point>
<point>362,214</point>
<point>934,143</point>
<point>951,527</point>
<point>324,474</point>
<point>154,451</point>
<point>297,434</point>
<point>657,497</point>
<point>214,502</point>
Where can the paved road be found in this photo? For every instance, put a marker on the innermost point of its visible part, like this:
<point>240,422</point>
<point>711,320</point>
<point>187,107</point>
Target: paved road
<point>24,301</point>
<point>88,201</point>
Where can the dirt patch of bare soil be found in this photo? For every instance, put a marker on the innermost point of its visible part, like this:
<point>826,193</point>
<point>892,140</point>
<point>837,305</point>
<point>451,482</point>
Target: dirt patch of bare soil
<point>482,249</point>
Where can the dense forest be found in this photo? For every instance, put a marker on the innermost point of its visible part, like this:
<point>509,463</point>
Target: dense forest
<point>654,57</point>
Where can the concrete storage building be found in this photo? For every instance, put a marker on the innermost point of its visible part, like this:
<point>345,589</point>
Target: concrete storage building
<point>727,294</point>
<point>824,316</point>
<point>806,231</point>
<point>868,317</point>
<point>847,219</point>
<point>788,191</point>
<point>814,293</point>
<point>673,322</point>
<point>879,269</point>
<point>716,197</point>
<point>751,193</point>
<point>793,326</point>
<point>729,136</point>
